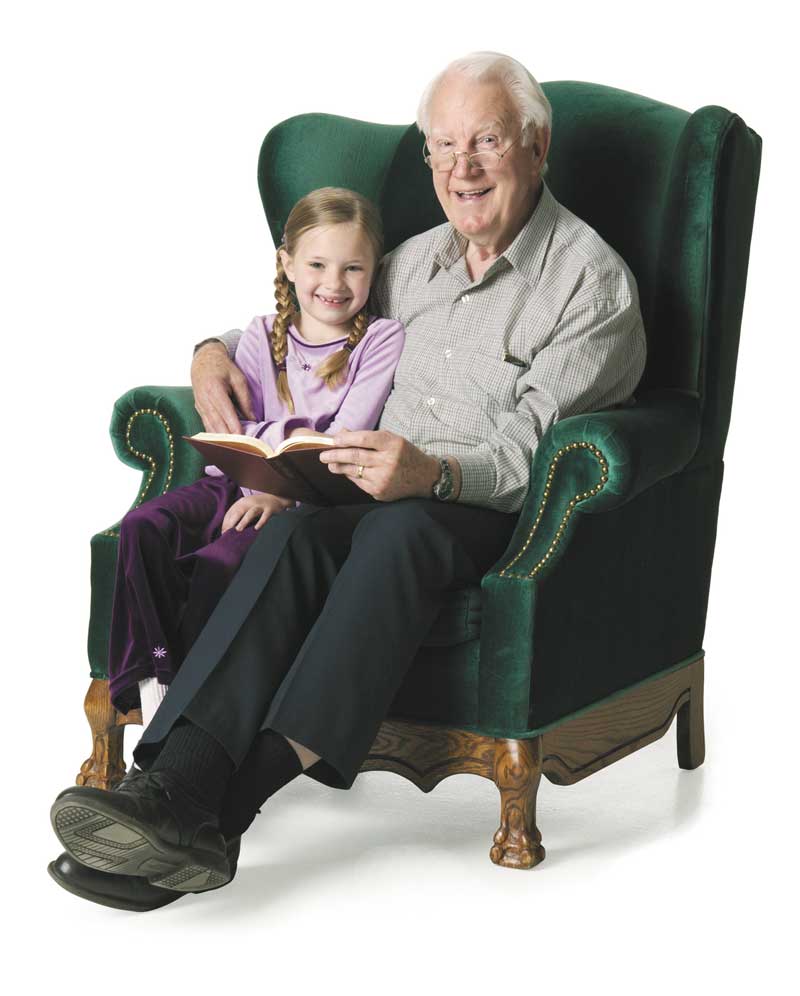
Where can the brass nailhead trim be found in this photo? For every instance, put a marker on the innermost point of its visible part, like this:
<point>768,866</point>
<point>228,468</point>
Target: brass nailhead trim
<point>148,459</point>
<point>565,518</point>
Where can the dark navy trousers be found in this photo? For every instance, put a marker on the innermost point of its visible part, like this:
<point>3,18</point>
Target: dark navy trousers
<point>321,623</point>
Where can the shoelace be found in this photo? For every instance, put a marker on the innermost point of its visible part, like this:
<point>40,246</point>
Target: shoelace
<point>147,785</point>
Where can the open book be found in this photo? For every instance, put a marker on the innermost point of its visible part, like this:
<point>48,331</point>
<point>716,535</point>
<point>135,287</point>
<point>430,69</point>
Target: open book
<point>293,470</point>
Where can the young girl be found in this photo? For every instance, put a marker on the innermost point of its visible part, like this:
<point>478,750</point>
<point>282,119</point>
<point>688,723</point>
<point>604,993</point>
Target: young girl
<point>319,365</point>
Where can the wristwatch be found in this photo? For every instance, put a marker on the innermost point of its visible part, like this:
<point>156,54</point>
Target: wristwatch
<point>443,488</point>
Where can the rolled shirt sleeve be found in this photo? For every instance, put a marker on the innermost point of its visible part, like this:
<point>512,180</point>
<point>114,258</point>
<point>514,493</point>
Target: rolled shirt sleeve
<point>229,339</point>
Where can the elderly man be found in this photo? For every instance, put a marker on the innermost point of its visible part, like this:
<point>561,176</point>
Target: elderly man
<point>517,314</point>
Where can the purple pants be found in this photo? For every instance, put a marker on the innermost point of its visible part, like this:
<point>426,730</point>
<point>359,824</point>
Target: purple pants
<point>173,565</point>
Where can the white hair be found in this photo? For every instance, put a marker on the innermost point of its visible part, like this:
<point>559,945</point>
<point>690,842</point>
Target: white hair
<point>527,96</point>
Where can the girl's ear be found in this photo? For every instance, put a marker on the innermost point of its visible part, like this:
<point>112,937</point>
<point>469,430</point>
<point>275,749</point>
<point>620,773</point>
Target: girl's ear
<point>288,266</point>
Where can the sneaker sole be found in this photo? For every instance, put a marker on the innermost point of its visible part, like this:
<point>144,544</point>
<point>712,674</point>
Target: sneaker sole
<point>95,834</point>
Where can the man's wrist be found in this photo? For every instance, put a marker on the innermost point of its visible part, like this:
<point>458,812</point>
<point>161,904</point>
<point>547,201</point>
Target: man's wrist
<point>431,477</point>
<point>452,488</point>
<point>455,470</point>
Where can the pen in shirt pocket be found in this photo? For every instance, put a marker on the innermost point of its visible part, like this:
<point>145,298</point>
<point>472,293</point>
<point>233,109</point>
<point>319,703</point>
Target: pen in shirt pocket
<point>514,360</point>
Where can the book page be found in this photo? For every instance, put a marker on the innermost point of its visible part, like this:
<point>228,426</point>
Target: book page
<point>236,442</point>
<point>301,442</point>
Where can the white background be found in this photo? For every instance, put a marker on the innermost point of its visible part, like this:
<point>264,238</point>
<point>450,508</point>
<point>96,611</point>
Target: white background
<point>132,228</point>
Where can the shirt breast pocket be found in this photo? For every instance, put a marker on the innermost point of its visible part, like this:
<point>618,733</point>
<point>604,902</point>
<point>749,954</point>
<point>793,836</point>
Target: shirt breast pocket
<point>493,379</point>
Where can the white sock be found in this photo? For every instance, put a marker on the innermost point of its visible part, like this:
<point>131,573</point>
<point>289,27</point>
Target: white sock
<point>151,693</point>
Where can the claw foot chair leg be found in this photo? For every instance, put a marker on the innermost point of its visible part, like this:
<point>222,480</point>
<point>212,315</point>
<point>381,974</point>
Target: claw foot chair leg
<point>517,772</point>
<point>105,767</point>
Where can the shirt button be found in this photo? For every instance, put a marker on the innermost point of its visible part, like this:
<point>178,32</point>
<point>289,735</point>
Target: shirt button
<point>448,353</point>
<point>431,401</point>
<point>465,298</point>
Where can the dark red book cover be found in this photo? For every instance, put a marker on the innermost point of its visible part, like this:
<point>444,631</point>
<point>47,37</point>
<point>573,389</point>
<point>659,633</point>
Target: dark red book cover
<point>297,474</point>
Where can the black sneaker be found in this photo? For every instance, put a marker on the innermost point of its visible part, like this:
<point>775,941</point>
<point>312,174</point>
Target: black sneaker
<point>122,892</point>
<point>149,826</point>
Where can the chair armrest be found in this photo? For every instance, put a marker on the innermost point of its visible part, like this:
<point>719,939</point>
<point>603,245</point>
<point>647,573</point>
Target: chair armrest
<point>585,464</point>
<point>596,462</point>
<point>146,429</point>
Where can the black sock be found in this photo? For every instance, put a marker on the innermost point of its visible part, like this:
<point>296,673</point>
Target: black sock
<point>270,764</point>
<point>199,759</point>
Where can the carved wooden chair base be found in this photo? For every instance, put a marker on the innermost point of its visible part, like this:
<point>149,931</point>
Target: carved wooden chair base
<point>426,754</point>
<point>105,766</point>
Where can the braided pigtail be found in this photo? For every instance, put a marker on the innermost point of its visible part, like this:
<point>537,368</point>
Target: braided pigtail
<point>333,370</point>
<point>323,207</point>
<point>278,344</point>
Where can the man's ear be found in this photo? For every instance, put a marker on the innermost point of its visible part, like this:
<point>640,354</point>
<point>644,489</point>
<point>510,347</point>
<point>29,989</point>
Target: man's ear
<point>541,144</point>
<point>288,266</point>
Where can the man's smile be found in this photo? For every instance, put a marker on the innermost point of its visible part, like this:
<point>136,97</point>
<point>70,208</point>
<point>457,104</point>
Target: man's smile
<point>472,195</point>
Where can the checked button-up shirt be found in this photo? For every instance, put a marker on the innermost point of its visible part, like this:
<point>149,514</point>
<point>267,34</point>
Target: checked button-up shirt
<point>551,329</point>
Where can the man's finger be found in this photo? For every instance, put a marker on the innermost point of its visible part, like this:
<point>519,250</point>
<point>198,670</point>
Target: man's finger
<point>355,456</point>
<point>211,420</point>
<point>206,407</point>
<point>368,438</point>
<point>351,472</point>
<point>342,468</point>
<point>225,412</point>
<point>241,394</point>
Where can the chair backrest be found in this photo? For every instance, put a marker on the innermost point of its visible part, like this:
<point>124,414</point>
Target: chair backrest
<point>674,193</point>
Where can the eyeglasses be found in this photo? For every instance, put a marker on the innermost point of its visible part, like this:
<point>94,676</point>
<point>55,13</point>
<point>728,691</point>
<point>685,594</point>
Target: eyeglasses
<point>444,162</point>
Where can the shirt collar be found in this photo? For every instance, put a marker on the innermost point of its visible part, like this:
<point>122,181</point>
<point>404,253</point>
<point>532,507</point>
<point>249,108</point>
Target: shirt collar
<point>448,250</point>
<point>527,252</point>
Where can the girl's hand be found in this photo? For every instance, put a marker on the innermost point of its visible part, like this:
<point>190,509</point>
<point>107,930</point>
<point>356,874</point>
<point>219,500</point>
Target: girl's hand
<point>253,507</point>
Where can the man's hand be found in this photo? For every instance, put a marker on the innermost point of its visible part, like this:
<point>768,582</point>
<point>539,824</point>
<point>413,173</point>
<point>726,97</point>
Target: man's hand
<point>393,467</point>
<point>214,379</point>
<point>250,507</point>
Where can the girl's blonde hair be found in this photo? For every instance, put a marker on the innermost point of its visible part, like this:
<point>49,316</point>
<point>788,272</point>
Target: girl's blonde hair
<point>325,206</point>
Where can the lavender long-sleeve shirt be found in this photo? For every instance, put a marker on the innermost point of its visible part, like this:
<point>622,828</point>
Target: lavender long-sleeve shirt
<point>356,403</point>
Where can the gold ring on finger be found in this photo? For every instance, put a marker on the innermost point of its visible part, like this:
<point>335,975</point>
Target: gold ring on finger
<point>360,470</point>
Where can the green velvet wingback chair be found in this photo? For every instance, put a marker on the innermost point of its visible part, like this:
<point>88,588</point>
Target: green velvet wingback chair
<point>585,640</point>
